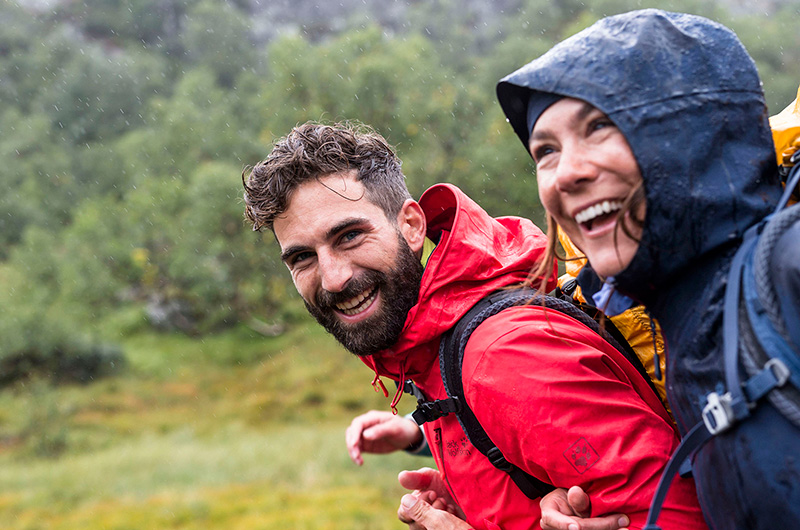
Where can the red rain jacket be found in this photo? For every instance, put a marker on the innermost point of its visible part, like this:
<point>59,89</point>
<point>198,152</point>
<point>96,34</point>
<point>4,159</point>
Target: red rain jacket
<point>557,400</point>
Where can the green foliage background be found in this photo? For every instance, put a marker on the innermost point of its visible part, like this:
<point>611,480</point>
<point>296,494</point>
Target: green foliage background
<point>125,128</point>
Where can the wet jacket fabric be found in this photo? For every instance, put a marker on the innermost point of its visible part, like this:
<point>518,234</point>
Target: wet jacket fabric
<point>556,399</point>
<point>634,324</point>
<point>687,97</point>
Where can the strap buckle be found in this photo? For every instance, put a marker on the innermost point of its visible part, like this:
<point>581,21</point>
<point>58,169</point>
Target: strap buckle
<point>779,369</point>
<point>433,410</point>
<point>498,460</point>
<point>718,413</point>
<point>774,375</point>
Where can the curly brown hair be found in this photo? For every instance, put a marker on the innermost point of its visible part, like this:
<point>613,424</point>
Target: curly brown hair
<point>313,150</point>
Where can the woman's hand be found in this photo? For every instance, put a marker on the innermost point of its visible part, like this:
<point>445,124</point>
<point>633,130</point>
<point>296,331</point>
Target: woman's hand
<point>570,510</point>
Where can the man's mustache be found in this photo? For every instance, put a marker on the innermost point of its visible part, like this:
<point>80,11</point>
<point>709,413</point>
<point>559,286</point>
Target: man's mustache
<point>325,299</point>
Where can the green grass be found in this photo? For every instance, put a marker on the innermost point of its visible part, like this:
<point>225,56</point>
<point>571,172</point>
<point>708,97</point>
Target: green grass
<point>233,431</point>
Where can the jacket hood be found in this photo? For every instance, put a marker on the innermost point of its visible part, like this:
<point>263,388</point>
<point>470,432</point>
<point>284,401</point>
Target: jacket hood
<point>475,255</point>
<point>687,96</point>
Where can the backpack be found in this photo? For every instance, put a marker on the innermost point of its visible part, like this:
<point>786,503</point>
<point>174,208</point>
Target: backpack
<point>755,333</point>
<point>451,356</point>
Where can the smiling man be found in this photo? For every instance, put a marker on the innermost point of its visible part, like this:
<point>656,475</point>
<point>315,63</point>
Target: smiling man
<point>356,272</point>
<point>388,276</point>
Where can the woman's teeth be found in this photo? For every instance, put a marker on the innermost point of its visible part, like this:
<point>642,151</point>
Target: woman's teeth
<point>597,210</point>
<point>358,303</point>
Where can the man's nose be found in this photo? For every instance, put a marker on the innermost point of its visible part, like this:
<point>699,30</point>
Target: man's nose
<point>335,271</point>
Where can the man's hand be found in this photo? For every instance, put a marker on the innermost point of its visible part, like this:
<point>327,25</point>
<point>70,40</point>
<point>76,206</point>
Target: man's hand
<point>429,506</point>
<point>379,432</point>
<point>428,484</point>
<point>421,515</point>
<point>568,510</point>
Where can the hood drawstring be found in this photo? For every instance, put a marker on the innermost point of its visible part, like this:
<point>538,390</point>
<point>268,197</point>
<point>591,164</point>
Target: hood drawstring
<point>376,382</point>
<point>399,393</point>
<point>378,385</point>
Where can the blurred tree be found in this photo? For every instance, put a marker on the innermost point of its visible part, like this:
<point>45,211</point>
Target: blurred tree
<point>40,334</point>
<point>97,96</point>
<point>217,36</point>
<point>126,126</point>
<point>775,46</point>
<point>199,122</point>
<point>36,184</point>
<point>20,57</point>
<point>117,21</point>
<point>398,85</point>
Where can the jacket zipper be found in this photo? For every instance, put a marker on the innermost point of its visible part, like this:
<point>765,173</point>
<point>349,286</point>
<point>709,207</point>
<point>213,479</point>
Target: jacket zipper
<point>440,446</point>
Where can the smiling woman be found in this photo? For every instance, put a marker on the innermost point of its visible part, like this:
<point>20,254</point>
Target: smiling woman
<point>654,154</point>
<point>586,173</point>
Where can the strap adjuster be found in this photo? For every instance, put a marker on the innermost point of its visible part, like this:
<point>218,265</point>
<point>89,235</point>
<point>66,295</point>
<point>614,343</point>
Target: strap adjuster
<point>774,375</point>
<point>433,410</point>
<point>718,413</point>
<point>780,370</point>
<point>498,460</point>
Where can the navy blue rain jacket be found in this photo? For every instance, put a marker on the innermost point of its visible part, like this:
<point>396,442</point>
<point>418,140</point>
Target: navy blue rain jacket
<point>687,96</point>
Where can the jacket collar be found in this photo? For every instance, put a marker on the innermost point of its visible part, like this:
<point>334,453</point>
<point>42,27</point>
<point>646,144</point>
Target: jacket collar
<point>476,254</point>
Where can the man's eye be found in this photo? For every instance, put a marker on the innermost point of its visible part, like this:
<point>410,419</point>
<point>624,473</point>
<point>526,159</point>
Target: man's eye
<point>351,235</point>
<point>300,257</point>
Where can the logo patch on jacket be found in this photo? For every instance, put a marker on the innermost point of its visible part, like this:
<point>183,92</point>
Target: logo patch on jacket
<point>460,447</point>
<point>581,455</point>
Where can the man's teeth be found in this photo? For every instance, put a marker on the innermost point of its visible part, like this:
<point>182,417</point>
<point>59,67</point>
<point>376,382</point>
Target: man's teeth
<point>356,304</point>
<point>597,210</point>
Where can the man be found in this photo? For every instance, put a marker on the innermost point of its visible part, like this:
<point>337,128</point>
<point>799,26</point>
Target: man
<point>387,276</point>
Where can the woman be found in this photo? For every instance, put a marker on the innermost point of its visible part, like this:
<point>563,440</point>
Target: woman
<point>654,155</point>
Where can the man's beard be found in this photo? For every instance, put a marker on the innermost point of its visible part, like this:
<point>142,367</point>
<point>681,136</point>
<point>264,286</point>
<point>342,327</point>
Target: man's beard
<point>399,290</point>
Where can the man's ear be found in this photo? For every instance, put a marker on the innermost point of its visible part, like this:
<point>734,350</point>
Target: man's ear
<point>413,226</point>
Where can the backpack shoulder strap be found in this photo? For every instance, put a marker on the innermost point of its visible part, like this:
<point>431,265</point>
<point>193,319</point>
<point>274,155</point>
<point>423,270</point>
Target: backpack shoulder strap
<point>451,357</point>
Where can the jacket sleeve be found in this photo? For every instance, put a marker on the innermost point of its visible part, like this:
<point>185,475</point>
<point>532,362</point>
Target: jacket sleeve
<point>549,394</point>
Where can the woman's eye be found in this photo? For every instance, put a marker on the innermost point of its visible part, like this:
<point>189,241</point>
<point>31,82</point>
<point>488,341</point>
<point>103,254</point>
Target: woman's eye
<point>541,152</point>
<point>600,123</point>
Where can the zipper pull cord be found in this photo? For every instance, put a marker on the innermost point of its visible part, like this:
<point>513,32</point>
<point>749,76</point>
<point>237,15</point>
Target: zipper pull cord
<point>656,356</point>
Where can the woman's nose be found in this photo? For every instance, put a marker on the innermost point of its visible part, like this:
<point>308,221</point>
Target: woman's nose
<point>574,169</point>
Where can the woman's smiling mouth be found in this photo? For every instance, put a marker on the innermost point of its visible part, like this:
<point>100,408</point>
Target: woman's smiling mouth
<point>586,217</point>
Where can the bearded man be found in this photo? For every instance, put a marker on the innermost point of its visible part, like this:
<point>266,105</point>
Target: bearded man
<point>388,276</point>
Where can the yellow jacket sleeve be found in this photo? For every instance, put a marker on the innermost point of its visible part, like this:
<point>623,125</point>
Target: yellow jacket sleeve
<point>786,130</point>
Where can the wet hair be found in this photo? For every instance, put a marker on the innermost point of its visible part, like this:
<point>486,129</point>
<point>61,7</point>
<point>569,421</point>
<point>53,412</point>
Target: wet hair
<point>314,150</point>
